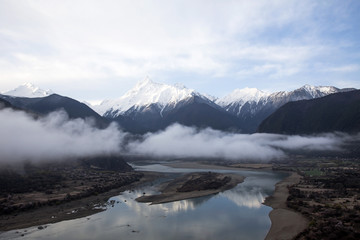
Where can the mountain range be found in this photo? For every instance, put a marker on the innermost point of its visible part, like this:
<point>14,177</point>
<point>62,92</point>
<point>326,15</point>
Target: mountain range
<point>152,106</point>
<point>50,102</point>
<point>335,112</point>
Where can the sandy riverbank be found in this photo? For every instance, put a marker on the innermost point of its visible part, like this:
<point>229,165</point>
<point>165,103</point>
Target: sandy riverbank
<point>285,223</point>
<point>188,187</point>
<point>66,211</point>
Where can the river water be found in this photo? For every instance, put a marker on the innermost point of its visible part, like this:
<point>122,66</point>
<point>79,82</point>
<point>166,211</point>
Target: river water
<point>234,214</point>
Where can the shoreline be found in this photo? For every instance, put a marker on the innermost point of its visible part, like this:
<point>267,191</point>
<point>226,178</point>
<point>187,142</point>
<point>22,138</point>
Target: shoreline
<point>67,211</point>
<point>285,223</point>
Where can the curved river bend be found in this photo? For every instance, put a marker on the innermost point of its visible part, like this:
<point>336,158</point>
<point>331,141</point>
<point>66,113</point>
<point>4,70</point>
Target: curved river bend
<point>234,214</point>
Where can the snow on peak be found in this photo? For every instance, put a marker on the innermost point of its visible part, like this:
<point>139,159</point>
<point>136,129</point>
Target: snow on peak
<point>319,91</point>
<point>144,93</point>
<point>242,96</point>
<point>28,90</point>
<point>144,82</point>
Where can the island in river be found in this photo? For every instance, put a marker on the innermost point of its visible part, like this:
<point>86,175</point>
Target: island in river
<point>193,185</point>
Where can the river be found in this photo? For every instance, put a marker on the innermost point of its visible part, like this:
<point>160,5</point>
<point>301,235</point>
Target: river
<point>237,213</point>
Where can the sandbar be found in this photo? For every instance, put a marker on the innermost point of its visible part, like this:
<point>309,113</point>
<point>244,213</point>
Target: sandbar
<point>285,223</point>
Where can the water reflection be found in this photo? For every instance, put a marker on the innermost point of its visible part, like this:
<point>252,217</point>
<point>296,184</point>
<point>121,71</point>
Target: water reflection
<point>233,214</point>
<point>147,210</point>
<point>253,191</point>
<point>253,199</point>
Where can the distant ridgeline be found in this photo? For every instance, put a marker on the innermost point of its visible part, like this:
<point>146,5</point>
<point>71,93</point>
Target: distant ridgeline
<point>55,102</point>
<point>335,112</point>
<point>150,107</point>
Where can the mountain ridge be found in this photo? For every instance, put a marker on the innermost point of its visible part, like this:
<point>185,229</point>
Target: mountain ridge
<point>28,90</point>
<point>145,93</point>
<point>55,102</point>
<point>334,112</point>
<point>151,106</point>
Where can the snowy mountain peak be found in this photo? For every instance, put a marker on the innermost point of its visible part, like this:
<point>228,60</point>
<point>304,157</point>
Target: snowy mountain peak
<point>28,90</point>
<point>319,91</point>
<point>144,93</point>
<point>144,82</point>
<point>242,96</point>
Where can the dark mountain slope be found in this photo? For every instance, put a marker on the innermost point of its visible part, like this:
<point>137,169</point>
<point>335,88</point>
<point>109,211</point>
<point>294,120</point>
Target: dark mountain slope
<point>56,102</point>
<point>335,112</point>
<point>193,111</point>
<point>5,104</point>
<point>200,114</point>
<point>252,112</point>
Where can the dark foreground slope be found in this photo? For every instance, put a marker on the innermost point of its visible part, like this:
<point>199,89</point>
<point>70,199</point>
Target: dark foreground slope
<point>31,186</point>
<point>49,192</point>
<point>336,112</point>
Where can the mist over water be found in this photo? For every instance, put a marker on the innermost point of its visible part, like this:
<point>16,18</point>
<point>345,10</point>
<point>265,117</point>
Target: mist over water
<point>56,137</point>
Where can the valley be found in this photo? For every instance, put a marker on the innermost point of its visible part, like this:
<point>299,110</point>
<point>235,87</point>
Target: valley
<point>173,120</point>
<point>324,167</point>
<point>325,188</point>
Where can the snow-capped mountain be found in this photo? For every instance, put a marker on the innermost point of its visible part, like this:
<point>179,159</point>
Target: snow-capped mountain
<point>303,93</point>
<point>240,97</point>
<point>335,112</point>
<point>252,106</point>
<point>151,106</point>
<point>28,90</point>
<point>144,94</point>
<point>154,105</point>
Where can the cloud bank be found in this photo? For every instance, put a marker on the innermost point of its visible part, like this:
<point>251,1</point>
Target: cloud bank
<point>53,137</point>
<point>181,141</point>
<point>57,137</point>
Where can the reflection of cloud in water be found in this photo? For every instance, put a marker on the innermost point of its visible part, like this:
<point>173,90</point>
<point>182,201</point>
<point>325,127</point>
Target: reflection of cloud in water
<point>199,218</point>
<point>157,209</point>
<point>251,198</point>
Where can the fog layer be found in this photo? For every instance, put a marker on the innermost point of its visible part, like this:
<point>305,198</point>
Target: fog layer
<point>57,137</point>
<point>53,137</point>
<point>181,141</point>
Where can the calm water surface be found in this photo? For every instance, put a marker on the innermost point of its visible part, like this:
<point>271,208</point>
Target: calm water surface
<point>234,214</point>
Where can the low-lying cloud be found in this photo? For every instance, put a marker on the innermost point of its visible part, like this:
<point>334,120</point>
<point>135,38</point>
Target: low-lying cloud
<point>53,137</point>
<point>56,137</point>
<point>181,141</point>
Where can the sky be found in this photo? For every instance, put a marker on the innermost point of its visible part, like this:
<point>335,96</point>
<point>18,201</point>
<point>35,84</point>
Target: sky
<point>93,50</point>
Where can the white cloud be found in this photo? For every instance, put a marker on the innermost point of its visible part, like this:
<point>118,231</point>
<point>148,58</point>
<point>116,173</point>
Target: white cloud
<point>111,43</point>
<point>57,137</point>
<point>54,137</point>
<point>181,141</point>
